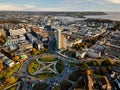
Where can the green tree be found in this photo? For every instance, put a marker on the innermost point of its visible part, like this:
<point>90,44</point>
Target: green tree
<point>93,63</point>
<point>108,62</point>
<point>11,79</point>
<point>84,65</point>
<point>98,63</point>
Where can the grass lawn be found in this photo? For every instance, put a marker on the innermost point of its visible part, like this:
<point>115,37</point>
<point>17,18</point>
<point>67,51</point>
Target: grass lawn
<point>32,67</point>
<point>47,58</point>
<point>60,66</point>
<point>45,75</point>
<point>73,64</point>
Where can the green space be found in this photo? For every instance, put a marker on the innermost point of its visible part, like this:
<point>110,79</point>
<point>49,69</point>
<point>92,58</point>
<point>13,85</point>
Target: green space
<point>9,71</point>
<point>45,75</point>
<point>60,66</point>
<point>32,67</point>
<point>8,82</point>
<point>40,86</point>
<point>74,76</point>
<point>73,64</point>
<point>6,73</point>
<point>47,58</point>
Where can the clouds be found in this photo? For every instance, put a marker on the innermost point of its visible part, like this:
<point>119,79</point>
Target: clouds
<point>9,7</point>
<point>97,1</point>
<point>60,5</point>
<point>27,7</point>
<point>12,7</point>
<point>114,1</point>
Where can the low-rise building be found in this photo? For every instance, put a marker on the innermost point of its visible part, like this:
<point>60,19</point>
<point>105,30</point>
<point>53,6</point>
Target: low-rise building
<point>6,60</point>
<point>71,43</point>
<point>93,54</point>
<point>81,54</point>
<point>30,38</point>
<point>25,46</point>
<point>20,31</point>
<point>9,62</point>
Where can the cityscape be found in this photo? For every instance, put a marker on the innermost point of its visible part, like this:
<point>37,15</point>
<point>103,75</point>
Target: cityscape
<point>59,49</point>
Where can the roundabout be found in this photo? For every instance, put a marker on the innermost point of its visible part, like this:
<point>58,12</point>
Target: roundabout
<point>46,66</point>
<point>44,69</point>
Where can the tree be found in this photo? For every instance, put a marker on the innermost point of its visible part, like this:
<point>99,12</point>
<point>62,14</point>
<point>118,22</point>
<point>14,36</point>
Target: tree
<point>43,50</point>
<point>79,57</point>
<point>1,61</point>
<point>108,62</point>
<point>84,65</point>
<point>11,79</point>
<point>93,63</point>
<point>2,38</point>
<point>89,72</point>
<point>98,63</point>
<point>16,58</point>
<point>34,51</point>
<point>1,67</point>
<point>12,54</point>
<point>103,70</point>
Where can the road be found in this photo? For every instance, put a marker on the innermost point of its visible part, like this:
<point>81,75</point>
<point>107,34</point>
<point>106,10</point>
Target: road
<point>24,75</point>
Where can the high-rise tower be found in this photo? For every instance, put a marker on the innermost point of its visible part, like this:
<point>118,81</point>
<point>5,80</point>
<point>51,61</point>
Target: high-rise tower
<point>58,38</point>
<point>61,39</point>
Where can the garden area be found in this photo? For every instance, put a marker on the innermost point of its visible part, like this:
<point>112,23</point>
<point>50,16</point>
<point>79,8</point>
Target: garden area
<point>46,66</point>
<point>9,71</point>
<point>60,66</point>
<point>47,58</point>
<point>32,67</point>
<point>43,76</point>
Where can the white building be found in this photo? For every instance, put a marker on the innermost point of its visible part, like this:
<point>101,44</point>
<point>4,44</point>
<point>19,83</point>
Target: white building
<point>17,31</point>
<point>70,44</point>
<point>19,40</point>
<point>6,60</point>
<point>81,54</point>
<point>9,62</point>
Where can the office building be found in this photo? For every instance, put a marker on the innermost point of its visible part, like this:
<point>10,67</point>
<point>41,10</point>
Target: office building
<point>61,39</point>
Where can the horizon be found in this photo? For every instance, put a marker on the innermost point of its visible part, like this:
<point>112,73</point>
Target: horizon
<point>61,5</point>
<point>59,11</point>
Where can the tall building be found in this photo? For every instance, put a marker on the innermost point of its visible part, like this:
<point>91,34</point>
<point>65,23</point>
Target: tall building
<point>58,38</point>
<point>64,41</point>
<point>61,39</point>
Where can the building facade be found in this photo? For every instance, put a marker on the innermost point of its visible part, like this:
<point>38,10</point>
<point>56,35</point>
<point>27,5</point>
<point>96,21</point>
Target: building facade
<point>58,38</point>
<point>61,39</point>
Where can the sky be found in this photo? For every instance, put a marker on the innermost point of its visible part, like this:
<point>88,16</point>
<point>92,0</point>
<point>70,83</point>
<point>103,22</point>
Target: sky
<point>60,5</point>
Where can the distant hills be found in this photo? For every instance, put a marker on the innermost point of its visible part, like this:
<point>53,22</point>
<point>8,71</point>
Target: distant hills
<point>73,14</point>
